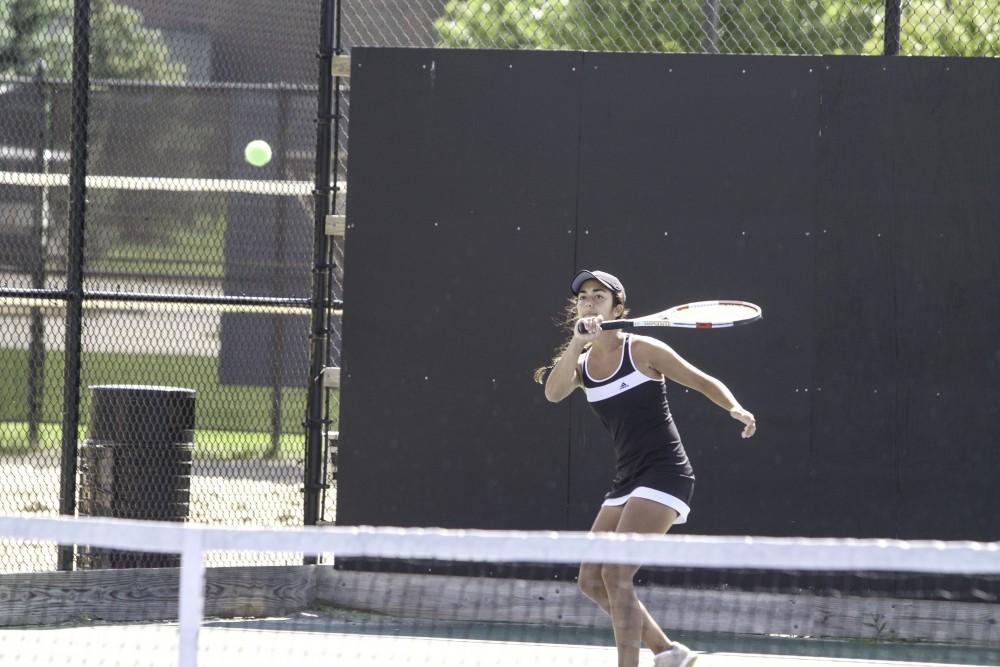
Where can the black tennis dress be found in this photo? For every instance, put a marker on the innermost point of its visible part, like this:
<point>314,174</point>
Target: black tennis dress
<point>650,459</point>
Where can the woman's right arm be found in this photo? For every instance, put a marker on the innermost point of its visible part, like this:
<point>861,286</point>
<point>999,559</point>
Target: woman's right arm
<point>564,378</point>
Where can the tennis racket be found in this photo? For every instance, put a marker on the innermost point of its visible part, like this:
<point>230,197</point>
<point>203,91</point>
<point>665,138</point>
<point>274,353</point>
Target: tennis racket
<point>697,315</point>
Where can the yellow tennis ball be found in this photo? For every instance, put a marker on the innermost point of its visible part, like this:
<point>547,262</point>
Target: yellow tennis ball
<point>257,152</point>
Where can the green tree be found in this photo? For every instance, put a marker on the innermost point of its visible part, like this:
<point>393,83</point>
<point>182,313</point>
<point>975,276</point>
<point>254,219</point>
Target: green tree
<point>797,26</point>
<point>121,47</point>
<point>741,26</point>
<point>950,28</point>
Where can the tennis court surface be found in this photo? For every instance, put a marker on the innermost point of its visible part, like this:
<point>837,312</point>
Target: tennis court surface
<point>157,645</point>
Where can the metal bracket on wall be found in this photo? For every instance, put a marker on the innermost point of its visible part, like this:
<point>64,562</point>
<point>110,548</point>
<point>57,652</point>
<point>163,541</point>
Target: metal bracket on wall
<point>340,67</point>
<point>336,225</point>
<point>331,377</point>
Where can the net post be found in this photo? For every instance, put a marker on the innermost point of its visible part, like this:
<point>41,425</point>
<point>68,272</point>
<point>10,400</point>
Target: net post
<point>191,600</point>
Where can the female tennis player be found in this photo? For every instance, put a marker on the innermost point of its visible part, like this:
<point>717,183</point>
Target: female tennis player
<point>623,376</point>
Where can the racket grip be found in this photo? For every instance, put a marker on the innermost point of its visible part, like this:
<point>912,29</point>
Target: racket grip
<point>607,325</point>
<point>581,329</point>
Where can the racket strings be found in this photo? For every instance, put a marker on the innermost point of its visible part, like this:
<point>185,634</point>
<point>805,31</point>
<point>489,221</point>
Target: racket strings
<point>718,313</point>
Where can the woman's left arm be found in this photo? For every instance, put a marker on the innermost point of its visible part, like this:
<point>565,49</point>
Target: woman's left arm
<point>658,357</point>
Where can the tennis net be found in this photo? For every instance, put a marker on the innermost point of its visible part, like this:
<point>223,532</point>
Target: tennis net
<point>443,597</point>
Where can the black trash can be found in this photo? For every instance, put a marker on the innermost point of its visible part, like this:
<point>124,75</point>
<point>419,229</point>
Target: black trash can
<point>136,464</point>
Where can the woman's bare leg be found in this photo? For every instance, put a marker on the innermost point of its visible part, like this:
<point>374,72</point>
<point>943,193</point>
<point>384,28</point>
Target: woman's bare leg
<point>637,516</point>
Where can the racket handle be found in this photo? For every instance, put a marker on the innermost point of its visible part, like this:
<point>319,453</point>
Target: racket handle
<point>581,329</point>
<point>608,325</point>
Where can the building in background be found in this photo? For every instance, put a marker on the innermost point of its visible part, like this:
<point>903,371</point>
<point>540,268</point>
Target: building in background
<point>265,41</point>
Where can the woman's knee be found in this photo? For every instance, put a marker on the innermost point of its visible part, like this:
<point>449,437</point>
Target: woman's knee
<point>591,582</point>
<point>617,579</point>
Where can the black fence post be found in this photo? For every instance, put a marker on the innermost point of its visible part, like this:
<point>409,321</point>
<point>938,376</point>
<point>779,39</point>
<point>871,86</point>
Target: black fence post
<point>331,451</point>
<point>74,262</point>
<point>280,283</point>
<point>36,345</point>
<point>893,10</point>
<point>319,335</point>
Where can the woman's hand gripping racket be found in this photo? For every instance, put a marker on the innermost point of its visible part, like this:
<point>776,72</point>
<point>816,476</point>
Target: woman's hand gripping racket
<point>697,315</point>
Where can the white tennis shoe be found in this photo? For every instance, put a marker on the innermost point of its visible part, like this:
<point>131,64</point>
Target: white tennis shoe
<point>678,655</point>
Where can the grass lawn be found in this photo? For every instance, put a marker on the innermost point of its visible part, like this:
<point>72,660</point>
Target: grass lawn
<point>209,445</point>
<point>199,243</point>
<point>232,421</point>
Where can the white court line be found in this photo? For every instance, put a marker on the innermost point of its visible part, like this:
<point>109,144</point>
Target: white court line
<point>129,645</point>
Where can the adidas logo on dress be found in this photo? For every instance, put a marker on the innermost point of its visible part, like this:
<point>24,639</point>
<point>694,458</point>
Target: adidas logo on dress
<point>623,385</point>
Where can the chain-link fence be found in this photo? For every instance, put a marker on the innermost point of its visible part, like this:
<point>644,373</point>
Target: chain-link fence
<point>925,27</point>
<point>197,265</point>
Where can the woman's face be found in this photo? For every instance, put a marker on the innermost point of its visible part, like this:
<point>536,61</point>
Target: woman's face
<point>595,299</point>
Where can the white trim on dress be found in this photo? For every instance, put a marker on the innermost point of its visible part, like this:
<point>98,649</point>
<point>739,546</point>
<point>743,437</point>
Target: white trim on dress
<point>673,502</point>
<point>633,379</point>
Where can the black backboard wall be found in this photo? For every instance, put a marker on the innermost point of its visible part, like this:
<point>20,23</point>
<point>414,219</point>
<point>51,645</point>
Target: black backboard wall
<point>855,199</point>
